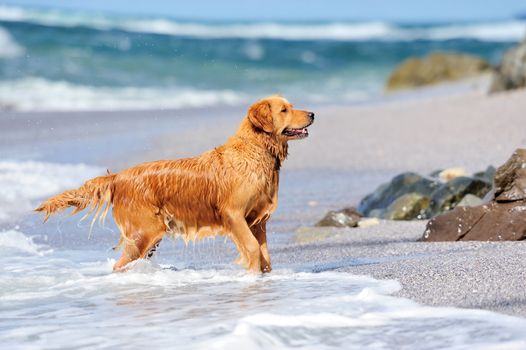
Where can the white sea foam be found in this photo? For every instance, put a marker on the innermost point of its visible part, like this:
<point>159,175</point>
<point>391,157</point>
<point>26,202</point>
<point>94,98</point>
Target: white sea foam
<point>43,95</point>
<point>23,183</point>
<point>507,30</point>
<point>76,301</point>
<point>12,239</point>
<point>8,47</point>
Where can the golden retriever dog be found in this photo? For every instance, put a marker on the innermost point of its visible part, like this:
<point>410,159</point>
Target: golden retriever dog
<point>230,190</point>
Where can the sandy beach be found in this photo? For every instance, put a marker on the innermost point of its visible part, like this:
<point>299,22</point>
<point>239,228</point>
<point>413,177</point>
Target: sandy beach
<point>351,150</point>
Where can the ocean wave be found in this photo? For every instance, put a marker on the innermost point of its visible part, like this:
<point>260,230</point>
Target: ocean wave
<point>37,94</point>
<point>9,48</point>
<point>506,30</point>
<point>15,240</point>
<point>23,183</point>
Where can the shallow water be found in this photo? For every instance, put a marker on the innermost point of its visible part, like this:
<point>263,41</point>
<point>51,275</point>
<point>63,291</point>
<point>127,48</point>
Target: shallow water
<point>57,289</point>
<point>70,299</point>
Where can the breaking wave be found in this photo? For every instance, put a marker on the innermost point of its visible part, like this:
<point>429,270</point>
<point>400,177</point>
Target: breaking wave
<point>505,30</point>
<point>29,94</point>
<point>9,48</point>
<point>23,183</point>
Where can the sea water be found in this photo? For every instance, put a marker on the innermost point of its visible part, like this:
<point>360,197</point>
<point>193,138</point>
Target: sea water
<point>62,294</point>
<point>70,60</point>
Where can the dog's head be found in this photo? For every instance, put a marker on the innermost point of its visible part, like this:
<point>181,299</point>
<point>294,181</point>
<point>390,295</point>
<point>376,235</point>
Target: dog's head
<point>275,115</point>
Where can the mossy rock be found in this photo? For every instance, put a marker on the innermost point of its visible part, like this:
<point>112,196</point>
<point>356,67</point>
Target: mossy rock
<point>375,203</point>
<point>407,207</point>
<point>447,196</point>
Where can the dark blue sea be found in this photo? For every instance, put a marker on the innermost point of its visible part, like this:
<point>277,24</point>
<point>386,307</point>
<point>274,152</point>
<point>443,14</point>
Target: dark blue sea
<point>60,60</point>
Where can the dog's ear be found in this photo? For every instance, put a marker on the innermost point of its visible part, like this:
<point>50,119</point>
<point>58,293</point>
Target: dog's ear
<point>260,116</point>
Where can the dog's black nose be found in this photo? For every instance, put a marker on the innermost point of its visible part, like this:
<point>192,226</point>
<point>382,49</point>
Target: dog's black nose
<point>311,115</point>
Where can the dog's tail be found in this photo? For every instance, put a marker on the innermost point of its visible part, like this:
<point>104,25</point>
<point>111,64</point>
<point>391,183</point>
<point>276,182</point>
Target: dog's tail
<point>95,193</point>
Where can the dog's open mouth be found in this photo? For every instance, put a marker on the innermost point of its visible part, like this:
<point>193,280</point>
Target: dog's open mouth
<point>299,132</point>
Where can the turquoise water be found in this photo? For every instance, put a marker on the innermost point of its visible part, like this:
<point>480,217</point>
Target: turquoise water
<point>53,60</point>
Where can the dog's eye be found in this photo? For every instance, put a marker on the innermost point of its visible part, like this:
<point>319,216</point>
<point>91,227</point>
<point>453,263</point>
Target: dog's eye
<point>284,110</point>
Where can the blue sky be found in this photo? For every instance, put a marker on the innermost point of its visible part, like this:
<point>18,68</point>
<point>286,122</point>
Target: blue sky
<point>393,10</point>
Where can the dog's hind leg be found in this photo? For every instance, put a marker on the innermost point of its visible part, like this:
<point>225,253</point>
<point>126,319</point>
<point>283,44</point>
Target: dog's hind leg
<point>140,247</point>
<point>139,241</point>
<point>153,249</point>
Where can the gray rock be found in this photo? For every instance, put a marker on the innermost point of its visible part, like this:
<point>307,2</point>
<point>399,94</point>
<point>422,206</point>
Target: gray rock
<point>376,213</point>
<point>511,73</point>
<point>470,200</point>
<point>347,217</point>
<point>435,173</point>
<point>487,174</point>
<point>400,185</point>
<point>407,207</point>
<point>447,196</point>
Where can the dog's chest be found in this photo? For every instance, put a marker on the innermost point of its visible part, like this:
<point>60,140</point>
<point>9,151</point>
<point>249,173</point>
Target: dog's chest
<point>263,201</point>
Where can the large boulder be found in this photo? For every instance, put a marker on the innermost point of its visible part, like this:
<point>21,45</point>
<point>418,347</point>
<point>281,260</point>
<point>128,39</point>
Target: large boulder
<point>407,207</point>
<point>400,185</point>
<point>435,68</point>
<point>503,218</point>
<point>411,196</point>
<point>511,73</point>
<point>447,196</point>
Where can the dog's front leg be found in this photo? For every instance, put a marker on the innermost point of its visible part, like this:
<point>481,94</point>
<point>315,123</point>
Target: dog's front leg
<point>245,241</point>
<point>260,232</point>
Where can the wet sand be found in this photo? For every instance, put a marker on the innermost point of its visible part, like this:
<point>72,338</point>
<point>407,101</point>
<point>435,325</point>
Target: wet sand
<point>351,150</point>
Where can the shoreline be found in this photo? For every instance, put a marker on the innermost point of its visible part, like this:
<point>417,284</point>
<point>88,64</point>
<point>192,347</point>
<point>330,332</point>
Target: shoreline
<point>474,274</point>
<point>351,150</point>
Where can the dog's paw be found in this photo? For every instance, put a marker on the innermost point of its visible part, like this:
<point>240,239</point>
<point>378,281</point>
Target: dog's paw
<point>266,269</point>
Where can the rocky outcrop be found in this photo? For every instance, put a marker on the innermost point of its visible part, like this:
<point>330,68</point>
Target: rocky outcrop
<point>511,73</point>
<point>435,68</point>
<point>415,185</point>
<point>411,196</point>
<point>406,207</point>
<point>447,196</point>
<point>503,218</point>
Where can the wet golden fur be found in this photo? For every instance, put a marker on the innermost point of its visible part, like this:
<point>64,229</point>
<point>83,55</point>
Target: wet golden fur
<point>230,190</point>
